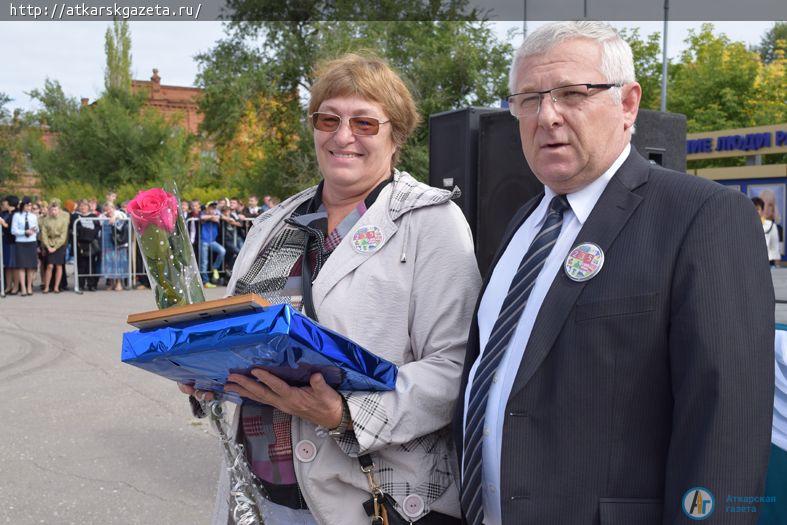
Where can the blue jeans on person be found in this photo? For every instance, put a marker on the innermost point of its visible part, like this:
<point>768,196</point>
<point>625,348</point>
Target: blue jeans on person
<point>205,251</point>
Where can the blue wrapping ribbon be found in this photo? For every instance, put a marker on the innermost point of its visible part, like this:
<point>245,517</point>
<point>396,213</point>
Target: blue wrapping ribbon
<point>277,338</point>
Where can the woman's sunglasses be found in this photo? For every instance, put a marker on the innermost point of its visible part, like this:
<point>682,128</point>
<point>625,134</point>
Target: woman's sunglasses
<point>330,123</point>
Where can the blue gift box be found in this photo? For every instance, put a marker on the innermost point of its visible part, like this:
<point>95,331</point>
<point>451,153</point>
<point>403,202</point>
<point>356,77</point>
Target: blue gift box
<point>277,338</point>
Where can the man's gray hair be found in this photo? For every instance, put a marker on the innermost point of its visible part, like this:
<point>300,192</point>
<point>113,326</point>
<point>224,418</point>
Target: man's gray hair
<point>617,61</point>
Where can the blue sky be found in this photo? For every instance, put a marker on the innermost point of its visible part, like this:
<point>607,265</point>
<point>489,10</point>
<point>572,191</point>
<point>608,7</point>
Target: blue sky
<point>73,52</point>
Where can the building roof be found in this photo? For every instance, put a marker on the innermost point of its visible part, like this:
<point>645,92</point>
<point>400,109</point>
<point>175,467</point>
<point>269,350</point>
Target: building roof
<point>170,99</point>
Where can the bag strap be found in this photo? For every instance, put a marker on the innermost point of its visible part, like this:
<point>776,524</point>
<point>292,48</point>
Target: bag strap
<point>306,271</point>
<point>380,516</point>
<point>306,282</point>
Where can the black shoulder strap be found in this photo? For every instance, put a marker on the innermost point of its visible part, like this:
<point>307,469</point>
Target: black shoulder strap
<point>306,282</point>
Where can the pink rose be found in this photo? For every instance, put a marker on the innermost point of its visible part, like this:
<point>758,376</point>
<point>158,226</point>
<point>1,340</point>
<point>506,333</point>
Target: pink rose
<point>154,207</point>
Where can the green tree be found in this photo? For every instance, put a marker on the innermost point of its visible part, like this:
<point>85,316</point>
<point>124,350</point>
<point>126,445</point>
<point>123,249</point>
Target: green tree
<point>647,65</point>
<point>115,143</point>
<point>772,42</point>
<point>448,65</point>
<point>12,127</point>
<point>58,109</point>
<point>117,47</point>
<point>715,82</point>
<point>719,84</point>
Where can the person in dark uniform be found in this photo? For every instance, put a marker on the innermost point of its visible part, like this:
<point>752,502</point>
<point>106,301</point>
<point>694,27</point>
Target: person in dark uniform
<point>9,207</point>
<point>88,249</point>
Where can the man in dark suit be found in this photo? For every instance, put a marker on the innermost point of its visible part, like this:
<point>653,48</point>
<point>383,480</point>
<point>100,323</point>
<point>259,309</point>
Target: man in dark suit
<point>620,364</point>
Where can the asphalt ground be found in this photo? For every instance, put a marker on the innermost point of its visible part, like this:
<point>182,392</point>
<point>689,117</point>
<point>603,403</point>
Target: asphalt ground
<point>86,439</point>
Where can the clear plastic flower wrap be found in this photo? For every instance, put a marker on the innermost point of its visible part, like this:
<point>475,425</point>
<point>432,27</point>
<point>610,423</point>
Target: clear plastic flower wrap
<point>166,248</point>
<point>174,277</point>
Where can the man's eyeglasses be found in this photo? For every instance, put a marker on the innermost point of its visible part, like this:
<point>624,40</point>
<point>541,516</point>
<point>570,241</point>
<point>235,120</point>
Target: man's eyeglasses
<point>528,103</point>
<point>330,123</point>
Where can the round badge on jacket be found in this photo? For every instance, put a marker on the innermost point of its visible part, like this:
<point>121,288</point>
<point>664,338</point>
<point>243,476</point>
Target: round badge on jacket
<point>584,261</point>
<point>367,239</point>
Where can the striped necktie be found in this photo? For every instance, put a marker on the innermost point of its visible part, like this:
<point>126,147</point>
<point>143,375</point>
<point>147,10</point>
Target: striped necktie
<point>507,321</point>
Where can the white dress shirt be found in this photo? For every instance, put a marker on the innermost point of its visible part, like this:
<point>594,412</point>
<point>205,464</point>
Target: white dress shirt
<point>582,203</point>
<point>18,226</point>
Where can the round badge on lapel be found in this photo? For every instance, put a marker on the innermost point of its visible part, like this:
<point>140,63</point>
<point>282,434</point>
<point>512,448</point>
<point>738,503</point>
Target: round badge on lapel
<point>367,239</point>
<point>584,261</point>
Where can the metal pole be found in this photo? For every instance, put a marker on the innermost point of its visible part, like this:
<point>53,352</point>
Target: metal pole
<point>664,59</point>
<point>76,256</point>
<point>2,271</point>
<point>130,255</point>
<point>524,19</point>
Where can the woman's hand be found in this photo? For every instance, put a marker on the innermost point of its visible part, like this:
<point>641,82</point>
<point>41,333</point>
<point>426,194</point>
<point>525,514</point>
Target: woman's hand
<point>318,402</point>
<point>199,394</point>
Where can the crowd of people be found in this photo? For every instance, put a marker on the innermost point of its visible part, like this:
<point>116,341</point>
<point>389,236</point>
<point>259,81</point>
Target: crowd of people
<point>39,237</point>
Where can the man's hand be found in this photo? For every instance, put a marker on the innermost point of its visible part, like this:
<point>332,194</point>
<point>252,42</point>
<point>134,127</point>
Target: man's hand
<point>318,402</point>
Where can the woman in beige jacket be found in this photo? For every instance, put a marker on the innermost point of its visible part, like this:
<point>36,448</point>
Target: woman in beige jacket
<point>393,268</point>
<point>54,238</point>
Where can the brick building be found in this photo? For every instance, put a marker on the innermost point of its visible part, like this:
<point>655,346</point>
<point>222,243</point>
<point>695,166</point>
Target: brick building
<point>178,101</point>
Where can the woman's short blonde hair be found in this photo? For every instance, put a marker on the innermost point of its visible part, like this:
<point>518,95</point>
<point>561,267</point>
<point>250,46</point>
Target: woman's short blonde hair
<point>368,76</point>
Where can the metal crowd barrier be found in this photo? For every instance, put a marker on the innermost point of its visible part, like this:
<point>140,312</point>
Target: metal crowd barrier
<point>193,226</point>
<point>129,249</point>
<point>134,270</point>
<point>2,270</point>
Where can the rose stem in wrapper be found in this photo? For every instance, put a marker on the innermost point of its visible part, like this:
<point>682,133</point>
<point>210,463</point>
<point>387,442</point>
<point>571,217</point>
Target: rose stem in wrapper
<point>166,248</point>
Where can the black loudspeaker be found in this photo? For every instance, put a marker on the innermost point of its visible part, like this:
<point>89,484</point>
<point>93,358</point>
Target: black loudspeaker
<point>453,155</point>
<point>505,181</point>
<point>661,138</point>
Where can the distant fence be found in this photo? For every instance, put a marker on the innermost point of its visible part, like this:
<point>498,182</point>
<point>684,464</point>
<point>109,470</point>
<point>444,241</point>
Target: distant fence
<point>93,255</point>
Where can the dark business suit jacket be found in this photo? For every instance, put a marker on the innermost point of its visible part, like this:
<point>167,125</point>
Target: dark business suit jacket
<point>653,377</point>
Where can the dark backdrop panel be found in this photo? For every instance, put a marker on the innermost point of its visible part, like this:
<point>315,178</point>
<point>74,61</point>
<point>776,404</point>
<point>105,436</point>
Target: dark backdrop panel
<point>661,137</point>
<point>453,155</point>
<point>505,181</point>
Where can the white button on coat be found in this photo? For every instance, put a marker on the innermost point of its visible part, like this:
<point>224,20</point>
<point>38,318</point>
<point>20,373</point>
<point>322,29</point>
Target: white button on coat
<point>305,451</point>
<point>413,505</point>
